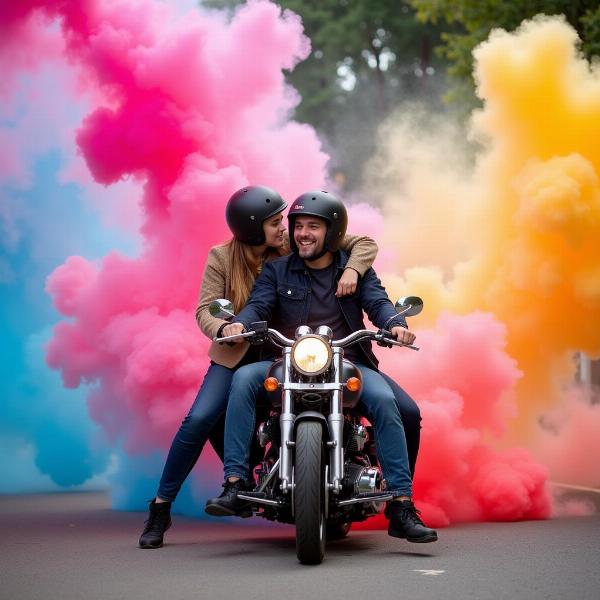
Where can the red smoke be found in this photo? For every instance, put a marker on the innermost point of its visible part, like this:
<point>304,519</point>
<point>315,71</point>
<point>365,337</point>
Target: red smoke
<point>462,380</point>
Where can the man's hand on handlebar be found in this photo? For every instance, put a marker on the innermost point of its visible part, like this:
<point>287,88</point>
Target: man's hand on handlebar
<point>403,335</point>
<point>233,329</point>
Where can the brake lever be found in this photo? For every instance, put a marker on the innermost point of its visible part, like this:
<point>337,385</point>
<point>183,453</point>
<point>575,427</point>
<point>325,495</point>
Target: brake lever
<point>227,338</point>
<point>384,338</point>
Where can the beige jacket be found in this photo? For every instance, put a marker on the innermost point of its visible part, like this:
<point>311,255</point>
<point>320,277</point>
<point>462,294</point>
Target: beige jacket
<point>216,284</point>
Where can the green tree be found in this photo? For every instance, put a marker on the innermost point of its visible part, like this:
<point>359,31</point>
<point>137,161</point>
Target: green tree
<point>476,18</point>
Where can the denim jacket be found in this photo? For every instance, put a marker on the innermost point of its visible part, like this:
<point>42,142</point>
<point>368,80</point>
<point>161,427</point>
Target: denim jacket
<point>282,294</point>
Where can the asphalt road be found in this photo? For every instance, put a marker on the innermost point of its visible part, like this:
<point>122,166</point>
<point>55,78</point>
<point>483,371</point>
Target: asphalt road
<point>72,546</point>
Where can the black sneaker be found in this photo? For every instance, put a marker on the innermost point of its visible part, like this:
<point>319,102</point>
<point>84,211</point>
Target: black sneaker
<point>405,522</point>
<point>228,504</point>
<point>158,521</point>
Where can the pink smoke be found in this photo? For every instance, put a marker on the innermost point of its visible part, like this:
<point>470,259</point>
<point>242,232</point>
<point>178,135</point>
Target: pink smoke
<point>25,45</point>
<point>462,380</point>
<point>568,440</point>
<point>188,110</point>
<point>27,41</point>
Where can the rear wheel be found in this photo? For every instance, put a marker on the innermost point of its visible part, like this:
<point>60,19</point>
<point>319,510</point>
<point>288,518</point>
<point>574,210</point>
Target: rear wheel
<point>308,503</point>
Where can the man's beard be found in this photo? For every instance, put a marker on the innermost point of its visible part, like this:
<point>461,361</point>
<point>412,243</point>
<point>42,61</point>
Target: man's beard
<point>308,252</point>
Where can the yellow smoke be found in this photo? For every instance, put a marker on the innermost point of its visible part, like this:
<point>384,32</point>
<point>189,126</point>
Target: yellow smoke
<point>518,235</point>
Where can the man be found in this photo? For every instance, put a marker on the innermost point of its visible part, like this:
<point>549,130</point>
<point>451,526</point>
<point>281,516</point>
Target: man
<point>300,289</point>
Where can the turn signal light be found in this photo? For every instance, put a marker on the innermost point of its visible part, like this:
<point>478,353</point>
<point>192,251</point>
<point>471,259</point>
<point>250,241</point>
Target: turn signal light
<point>353,384</point>
<point>271,384</point>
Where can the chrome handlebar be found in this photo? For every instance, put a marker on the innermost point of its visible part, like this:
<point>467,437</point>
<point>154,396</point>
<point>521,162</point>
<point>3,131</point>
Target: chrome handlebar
<point>275,336</point>
<point>363,334</point>
<point>357,336</point>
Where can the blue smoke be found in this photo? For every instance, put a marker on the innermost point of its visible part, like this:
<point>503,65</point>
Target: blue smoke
<point>135,480</point>
<point>47,440</point>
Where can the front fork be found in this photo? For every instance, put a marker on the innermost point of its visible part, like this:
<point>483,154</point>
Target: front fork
<point>335,421</point>
<point>286,421</point>
<point>336,427</point>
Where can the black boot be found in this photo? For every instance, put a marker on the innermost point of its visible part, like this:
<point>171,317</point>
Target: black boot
<point>158,521</point>
<point>228,504</point>
<point>405,522</point>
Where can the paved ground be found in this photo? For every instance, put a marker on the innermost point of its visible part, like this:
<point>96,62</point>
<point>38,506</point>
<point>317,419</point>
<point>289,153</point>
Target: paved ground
<point>72,546</point>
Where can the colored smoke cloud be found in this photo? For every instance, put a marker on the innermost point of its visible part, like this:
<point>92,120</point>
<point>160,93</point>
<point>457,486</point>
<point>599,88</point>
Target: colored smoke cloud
<point>192,108</point>
<point>47,438</point>
<point>517,236</point>
<point>568,439</point>
<point>193,140</point>
<point>463,381</point>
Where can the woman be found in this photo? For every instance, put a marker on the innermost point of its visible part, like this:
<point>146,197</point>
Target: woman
<point>254,215</point>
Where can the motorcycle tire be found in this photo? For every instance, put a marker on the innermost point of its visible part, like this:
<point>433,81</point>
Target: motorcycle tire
<point>308,502</point>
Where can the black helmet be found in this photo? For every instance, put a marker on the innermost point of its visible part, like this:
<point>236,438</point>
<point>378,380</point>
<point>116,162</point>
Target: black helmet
<point>248,208</point>
<point>328,207</point>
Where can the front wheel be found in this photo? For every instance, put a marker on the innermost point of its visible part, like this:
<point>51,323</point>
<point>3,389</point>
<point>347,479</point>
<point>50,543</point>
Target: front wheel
<point>308,503</point>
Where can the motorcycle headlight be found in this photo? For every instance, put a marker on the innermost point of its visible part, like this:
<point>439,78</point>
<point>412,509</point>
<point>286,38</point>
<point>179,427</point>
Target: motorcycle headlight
<point>311,355</point>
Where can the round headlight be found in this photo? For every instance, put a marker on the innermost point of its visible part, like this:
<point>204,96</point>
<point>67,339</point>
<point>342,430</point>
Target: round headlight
<point>311,355</point>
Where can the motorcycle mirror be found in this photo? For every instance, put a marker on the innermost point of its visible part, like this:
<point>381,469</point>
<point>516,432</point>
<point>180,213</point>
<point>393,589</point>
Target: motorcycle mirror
<point>409,306</point>
<point>221,309</point>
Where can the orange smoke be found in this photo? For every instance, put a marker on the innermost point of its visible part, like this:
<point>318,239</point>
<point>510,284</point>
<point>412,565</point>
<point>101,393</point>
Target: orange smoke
<point>519,235</point>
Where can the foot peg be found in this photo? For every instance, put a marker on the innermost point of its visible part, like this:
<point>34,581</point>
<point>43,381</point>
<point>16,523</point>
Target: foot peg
<point>367,497</point>
<point>258,497</point>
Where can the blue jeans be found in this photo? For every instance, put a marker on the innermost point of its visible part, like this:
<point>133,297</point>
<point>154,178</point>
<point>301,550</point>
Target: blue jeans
<point>411,420</point>
<point>377,401</point>
<point>209,406</point>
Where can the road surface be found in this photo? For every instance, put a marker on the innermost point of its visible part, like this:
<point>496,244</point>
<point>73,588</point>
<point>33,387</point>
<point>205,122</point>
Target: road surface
<point>72,546</point>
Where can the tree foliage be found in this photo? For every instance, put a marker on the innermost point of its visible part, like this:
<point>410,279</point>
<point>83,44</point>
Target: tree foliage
<point>358,43</point>
<point>476,18</point>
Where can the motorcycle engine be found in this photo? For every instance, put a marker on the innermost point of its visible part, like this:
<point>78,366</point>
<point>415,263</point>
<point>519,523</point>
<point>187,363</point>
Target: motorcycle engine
<point>359,479</point>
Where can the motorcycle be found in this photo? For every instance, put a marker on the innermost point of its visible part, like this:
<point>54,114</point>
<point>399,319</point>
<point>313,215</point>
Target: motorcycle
<point>320,469</point>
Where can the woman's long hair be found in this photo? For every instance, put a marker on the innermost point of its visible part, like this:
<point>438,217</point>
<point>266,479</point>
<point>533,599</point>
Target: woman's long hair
<point>244,269</point>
